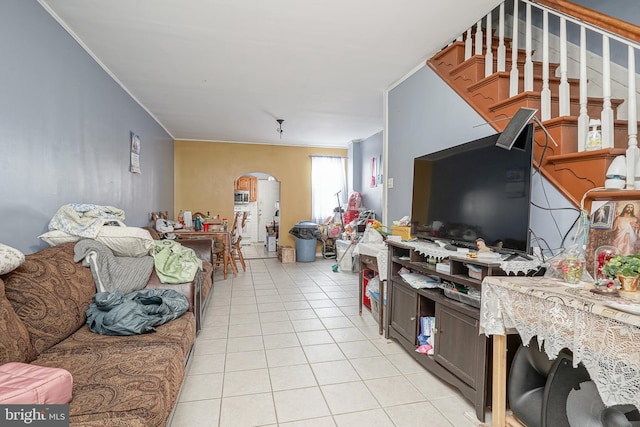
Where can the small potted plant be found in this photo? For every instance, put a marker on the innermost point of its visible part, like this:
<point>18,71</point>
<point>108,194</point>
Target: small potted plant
<point>626,268</point>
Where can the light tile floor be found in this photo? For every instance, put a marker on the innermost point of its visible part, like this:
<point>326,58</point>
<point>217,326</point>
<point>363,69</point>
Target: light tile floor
<point>283,345</point>
<point>257,251</point>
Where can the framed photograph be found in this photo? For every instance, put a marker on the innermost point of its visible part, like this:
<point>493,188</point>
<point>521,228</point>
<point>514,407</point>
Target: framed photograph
<point>613,223</point>
<point>602,216</point>
<point>135,153</point>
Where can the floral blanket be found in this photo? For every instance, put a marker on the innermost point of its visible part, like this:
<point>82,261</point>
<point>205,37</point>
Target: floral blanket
<point>84,220</point>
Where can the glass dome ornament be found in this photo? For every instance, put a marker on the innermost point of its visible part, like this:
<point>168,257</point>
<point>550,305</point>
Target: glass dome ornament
<point>601,256</point>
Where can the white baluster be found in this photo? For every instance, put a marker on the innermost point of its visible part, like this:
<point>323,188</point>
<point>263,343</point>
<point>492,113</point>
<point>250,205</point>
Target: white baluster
<point>583,118</point>
<point>564,83</point>
<point>502,49</point>
<point>468,45</point>
<point>514,76</point>
<point>528,63</point>
<point>488,58</point>
<point>479,38</point>
<point>545,95</point>
<point>632,150</point>
<point>607,112</point>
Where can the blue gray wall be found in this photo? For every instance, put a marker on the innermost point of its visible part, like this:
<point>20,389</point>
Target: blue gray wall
<point>64,132</point>
<point>371,195</point>
<point>426,115</point>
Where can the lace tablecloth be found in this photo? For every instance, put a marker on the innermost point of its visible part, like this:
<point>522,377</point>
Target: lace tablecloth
<point>432,250</point>
<point>378,250</point>
<point>605,340</point>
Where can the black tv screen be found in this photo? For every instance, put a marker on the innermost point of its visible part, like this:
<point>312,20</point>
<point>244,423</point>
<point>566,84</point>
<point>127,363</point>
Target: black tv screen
<point>475,190</point>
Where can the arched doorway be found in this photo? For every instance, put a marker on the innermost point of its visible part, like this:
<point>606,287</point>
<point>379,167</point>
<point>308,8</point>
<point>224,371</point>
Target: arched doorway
<point>263,209</point>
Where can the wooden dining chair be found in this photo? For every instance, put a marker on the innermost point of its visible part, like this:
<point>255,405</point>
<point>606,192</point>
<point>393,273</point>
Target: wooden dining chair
<point>236,238</point>
<point>218,251</point>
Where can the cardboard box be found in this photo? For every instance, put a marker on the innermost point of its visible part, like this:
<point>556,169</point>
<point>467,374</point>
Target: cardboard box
<point>286,254</point>
<point>403,231</point>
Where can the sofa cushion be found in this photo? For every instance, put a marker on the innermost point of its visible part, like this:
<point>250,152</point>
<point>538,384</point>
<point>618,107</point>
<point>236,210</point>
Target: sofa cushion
<point>179,333</point>
<point>10,258</point>
<point>15,345</point>
<point>21,383</point>
<point>50,294</point>
<point>129,379</point>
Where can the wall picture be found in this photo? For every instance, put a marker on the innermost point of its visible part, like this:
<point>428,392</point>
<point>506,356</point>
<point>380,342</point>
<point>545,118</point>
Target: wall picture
<point>135,153</point>
<point>615,224</point>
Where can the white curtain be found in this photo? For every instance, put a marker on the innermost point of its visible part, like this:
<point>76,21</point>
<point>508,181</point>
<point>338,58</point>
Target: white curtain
<point>328,176</point>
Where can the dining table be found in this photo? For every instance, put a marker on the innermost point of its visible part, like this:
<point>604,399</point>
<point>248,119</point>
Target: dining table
<point>222,235</point>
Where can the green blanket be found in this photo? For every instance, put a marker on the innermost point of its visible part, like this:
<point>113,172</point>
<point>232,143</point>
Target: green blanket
<point>175,263</point>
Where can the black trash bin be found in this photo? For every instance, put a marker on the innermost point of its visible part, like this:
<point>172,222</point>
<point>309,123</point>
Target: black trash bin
<point>306,234</point>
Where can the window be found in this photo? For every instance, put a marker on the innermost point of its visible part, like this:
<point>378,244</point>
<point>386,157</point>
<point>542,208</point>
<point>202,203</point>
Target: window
<point>328,177</point>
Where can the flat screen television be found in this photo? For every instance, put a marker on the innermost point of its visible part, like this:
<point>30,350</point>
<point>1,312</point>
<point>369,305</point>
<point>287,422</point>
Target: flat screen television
<point>475,190</point>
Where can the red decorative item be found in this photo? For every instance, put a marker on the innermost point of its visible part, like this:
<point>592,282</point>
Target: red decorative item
<point>601,256</point>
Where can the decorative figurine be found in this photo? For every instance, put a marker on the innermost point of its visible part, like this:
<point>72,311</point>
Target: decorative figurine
<point>482,246</point>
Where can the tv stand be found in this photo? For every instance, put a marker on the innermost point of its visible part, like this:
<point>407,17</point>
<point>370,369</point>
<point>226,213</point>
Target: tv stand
<point>462,356</point>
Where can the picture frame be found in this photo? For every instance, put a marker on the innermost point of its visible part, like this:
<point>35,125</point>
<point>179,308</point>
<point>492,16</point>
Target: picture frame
<point>602,216</point>
<point>134,165</point>
<point>613,223</point>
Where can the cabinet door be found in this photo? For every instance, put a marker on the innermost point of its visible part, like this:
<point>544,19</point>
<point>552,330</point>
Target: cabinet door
<point>243,183</point>
<point>457,344</point>
<point>404,309</point>
<point>253,188</point>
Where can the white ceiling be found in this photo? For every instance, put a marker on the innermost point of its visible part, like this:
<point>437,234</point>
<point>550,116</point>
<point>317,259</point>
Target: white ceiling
<point>225,70</point>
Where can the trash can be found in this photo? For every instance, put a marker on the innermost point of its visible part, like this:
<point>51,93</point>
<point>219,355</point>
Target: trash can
<point>306,234</point>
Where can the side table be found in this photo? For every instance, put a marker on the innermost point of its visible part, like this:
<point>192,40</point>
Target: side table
<point>368,262</point>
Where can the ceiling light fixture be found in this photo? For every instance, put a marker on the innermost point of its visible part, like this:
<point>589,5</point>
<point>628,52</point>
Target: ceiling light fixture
<point>279,130</point>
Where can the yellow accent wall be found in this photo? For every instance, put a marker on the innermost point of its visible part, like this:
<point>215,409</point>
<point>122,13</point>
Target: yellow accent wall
<point>204,173</point>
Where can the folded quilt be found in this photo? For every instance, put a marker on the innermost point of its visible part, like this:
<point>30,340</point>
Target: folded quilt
<point>175,263</point>
<point>113,313</point>
<point>83,219</point>
<point>110,273</point>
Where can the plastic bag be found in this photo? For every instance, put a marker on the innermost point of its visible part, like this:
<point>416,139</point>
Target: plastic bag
<point>370,235</point>
<point>569,266</point>
<point>355,201</point>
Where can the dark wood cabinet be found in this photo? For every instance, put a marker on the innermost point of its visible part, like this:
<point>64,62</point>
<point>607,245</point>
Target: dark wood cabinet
<point>403,316</point>
<point>461,354</point>
<point>458,347</point>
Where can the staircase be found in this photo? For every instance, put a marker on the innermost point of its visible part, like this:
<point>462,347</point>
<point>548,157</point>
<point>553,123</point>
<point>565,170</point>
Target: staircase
<point>572,172</point>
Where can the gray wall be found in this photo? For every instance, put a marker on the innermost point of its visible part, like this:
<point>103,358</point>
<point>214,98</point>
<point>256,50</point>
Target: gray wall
<point>371,196</point>
<point>64,132</point>
<point>426,115</point>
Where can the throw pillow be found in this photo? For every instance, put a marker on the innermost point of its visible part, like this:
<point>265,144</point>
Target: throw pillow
<point>10,259</point>
<point>126,241</point>
<point>58,237</point>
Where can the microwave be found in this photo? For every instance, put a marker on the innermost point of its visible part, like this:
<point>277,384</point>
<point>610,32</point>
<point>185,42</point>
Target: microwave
<point>240,197</point>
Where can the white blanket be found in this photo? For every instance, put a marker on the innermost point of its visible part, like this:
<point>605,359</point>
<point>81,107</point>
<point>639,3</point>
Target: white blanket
<point>84,220</point>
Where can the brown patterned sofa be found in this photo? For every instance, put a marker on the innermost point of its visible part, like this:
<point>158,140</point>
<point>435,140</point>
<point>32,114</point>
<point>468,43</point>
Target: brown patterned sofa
<point>117,380</point>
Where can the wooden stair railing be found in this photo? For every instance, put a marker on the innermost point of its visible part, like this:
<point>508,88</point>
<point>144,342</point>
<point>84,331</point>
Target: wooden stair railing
<point>573,173</point>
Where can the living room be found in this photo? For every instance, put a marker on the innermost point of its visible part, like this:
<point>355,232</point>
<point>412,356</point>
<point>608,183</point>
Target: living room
<point>66,129</point>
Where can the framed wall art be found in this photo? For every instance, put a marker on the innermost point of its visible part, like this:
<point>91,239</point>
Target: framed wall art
<point>135,153</point>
